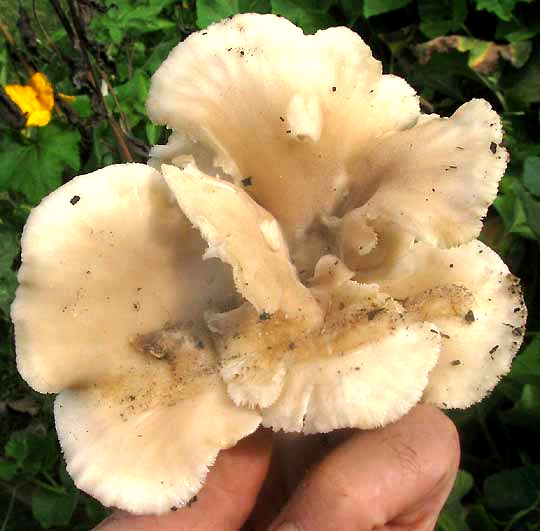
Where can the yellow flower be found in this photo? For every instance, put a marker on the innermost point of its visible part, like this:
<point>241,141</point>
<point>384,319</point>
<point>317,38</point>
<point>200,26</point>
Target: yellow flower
<point>35,99</point>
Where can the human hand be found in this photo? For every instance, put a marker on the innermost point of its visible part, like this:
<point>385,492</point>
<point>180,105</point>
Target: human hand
<point>396,478</point>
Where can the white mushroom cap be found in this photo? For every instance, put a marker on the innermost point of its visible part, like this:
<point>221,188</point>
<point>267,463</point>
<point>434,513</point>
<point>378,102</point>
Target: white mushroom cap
<point>286,110</point>
<point>366,367</point>
<point>437,179</point>
<point>88,281</point>
<point>109,312</point>
<point>152,460</point>
<point>478,308</point>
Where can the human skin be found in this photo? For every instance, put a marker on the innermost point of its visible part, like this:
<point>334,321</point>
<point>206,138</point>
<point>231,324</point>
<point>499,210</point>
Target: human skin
<point>396,479</point>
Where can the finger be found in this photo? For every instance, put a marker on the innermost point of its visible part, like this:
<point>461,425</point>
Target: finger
<point>292,455</point>
<point>398,477</point>
<point>224,502</point>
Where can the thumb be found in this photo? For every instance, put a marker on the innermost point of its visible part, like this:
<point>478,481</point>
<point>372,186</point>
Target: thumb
<point>394,478</point>
<point>224,502</point>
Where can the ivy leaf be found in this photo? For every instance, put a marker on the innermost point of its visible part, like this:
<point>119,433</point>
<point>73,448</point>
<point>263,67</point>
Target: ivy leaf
<point>522,85</point>
<point>125,17</point>
<point>309,15</point>
<point>526,367</point>
<point>531,175</point>
<point>377,7</point>
<point>132,96</point>
<point>441,17</point>
<point>526,410</point>
<point>478,518</point>
<point>502,8</point>
<point>513,490</point>
<point>508,205</point>
<point>53,508</point>
<point>531,207</point>
<point>8,470</point>
<point>452,517</point>
<point>35,166</point>
<point>9,249</point>
<point>210,11</point>
<point>32,453</point>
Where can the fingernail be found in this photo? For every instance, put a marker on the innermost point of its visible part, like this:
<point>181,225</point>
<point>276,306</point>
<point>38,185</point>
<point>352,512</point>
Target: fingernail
<point>287,526</point>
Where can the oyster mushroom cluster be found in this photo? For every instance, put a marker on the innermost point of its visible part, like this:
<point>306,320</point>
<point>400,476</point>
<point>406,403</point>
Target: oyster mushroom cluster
<point>301,254</point>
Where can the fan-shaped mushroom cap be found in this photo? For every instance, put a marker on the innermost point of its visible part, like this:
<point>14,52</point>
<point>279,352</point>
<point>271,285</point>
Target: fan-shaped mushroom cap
<point>109,311</point>
<point>146,461</point>
<point>282,109</point>
<point>367,366</point>
<point>478,308</point>
<point>89,281</point>
<point>437,179</point>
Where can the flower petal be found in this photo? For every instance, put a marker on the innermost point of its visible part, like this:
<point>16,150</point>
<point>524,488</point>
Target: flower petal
<point>477,306</point>
<point>437,179</point>
<point>284,109</point>
<point>247,237</point>
<point>106,257</point>
<point>146,461</point>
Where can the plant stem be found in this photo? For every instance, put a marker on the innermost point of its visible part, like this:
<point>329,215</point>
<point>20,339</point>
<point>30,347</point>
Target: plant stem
<point>9,509</point>
<point>519,515</point>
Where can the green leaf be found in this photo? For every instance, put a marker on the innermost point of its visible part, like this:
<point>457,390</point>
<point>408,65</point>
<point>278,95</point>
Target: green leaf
<point>95,511</point>
<point>452,517</point>
<point>255,6</point>
<point>522,84</point>
<point>449,522</point>
<point>353,10</point>
<point>53,508</point>
<point>520,52</point>
<point>531,207</point>
<point>513,490</point>
<point>153,132</point>
<point>510,208</point>
<point>502,8</point>
<point>35,166</point>
<point>9,249</point>
<point>132,98</point>
<point>308,14</point>
<point>462,485</point>
<point>125,17</point>
<point>526,411</point>
<point>514,31</point>
<point>8,470</point>
<point>210,11</point>
<point>478,518</point>
<point>531,175</point>
<point>441,17</point>
<point>82,106</point>
<point>526,367</point>
<point>377,7</point>
<point>32,453</point>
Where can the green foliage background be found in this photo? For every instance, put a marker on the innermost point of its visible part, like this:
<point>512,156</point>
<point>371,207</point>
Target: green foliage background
<point>104,51</point>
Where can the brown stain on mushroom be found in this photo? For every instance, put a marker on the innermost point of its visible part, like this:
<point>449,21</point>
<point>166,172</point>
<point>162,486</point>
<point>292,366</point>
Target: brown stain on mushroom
<point>261,345</point>
<point>180,362</point>
<point>451,300</point>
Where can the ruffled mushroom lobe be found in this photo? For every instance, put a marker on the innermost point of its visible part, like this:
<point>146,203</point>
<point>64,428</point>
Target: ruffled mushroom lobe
<point>282,112</point>
<point>436,179</point>
<point>478,308</point>
<point>365,367</point>
<point>247,237</point>
<point>109,313</point>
